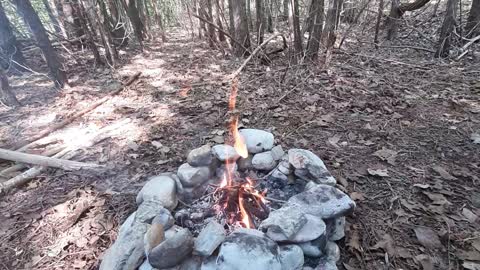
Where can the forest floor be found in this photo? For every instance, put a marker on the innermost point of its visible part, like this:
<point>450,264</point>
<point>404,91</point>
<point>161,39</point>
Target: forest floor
<point>395,128</point>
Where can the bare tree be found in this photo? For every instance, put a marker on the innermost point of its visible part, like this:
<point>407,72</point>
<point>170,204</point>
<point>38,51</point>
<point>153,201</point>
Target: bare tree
<point>219,13</point>
<point>10,51</point>
<point>130,7</point>
<point>269,9</point>
<point>53,19</point>
<point>286,10</point>
<point>260,22</point>
<point>317,18</point>
<point>6,94</point>
<point>240,27</point>
<point>396,12</point>
<point>331,23</point>
<point>297,34</point>
<point>472,28</point>
<point>30,16</point>
<point>446,32</point>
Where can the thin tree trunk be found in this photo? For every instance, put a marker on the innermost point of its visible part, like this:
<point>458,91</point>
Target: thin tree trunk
<point>105,30</point>
<point>297,34</point>
<point>260,22</point>
<point>221,35</point>
<point>331,23</point>
<point>231,18</point>
<point>472,28</point>
<point>83,17</point>
<point>313,45</point>
<point>241,32</point>
<point>397,11</point>
<point>30,16</point>
<point>132,13</point>
<point>249,14</point>
<point>377,24</point>
<point>158,19</point>
<point>212,38</point>
<point>9,46</point>
<point>269,8</point>
<point>6,94</point>
<point>286,10</point>
<point>449,23</point>
<point>53,19</point>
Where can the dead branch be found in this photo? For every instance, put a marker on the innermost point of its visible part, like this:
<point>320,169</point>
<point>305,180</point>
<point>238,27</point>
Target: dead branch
<point>465,47</point>
<point>69,119</point>
<point>17,167</point>
<point>45,161</point>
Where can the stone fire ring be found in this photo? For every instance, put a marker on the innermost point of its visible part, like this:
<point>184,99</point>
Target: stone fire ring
<point>301,232</point>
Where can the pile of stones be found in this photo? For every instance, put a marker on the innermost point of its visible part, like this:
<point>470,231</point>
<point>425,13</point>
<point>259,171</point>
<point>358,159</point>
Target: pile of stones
<point>304,228</point>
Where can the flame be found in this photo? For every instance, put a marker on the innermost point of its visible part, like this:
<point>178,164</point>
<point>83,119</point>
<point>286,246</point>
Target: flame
<point>243,213</point>
<point>239,142</point>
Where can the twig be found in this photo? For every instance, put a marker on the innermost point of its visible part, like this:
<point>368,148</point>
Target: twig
<point>275,200</point>
<point>465,47</point>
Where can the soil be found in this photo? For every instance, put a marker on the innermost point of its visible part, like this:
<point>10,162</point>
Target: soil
<point>394,126</point>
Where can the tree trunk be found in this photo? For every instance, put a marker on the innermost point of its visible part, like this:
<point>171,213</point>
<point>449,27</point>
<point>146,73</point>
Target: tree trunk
<point>30,16</point>
<point>331,23</point>
<point>472,28</point>
<point>350,10</point>
<point>158,19</point>
<point>313,45</point>
<point>446,31</point>
<point>70,18</point>
<point>249,14</point>
<point>9,46</point>
<point>260,22</point>
<point>286,10</point>
<point>105,30</point>
<point>397,11</point>
<point>132,13</point>
<point>269,8</point>
<point>83,17</point>
<point>297,34</point>
<point>53,19</point>
<point>221,35</point>
<point>377,24</point>
<point>240,26</point>
<point>231,18</point>
<point>212,38</point>
<point>6,95</point>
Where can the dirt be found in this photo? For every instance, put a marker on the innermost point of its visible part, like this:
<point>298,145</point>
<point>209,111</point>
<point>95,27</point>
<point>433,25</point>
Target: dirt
<point>393,127</point>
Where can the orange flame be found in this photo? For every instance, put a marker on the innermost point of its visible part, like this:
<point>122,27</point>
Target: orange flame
<point>243,213</point>
<point>239,142</point>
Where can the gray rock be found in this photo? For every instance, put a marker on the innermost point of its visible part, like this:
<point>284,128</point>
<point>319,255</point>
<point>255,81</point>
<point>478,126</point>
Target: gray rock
<point>127,252</point>
<point>146,266</point>
<point>313,229</point>
<point>264,161</point>
<point>310,167</point>
<point>193,176</point>
<point>201,156</point>
<point>242,250</point>
<point>332,251</point>
<point>284,223</point>
<point>209,239</point>
<point>277,152</point>
<point>307,268</point>
<point>257,141</point>
<point>245,163</point>
<point>277,178</point>
<point>155,233</point>
<point>335,228</point>
<point>310,185</point>
<point>284,166</point>
<point>209,263</point>
<point>191,263</point>
<point>323,201</point>
<point>161,189</point>
<point>191,193</point>
<point>326,264</point>
<point>148,210</point>
<point>315,248</point>
<point>225,152</point>
<point>178,245</point>
<point>291,257</point>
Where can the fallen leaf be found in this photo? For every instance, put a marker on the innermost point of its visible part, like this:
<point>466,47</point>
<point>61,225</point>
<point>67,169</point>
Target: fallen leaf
<point>427,237</point>
<point>475,138</point>
<point>476,244</point>
<point>334,140</point>
<point>157,144</point>
<point>386,155</point>
<point>443,173</point>
<point>378,172</point>
<point>357,196</point>
<point>469,215</point>
<point>471,265</point>
<point>471,255</point>
<point>425,261</point>
<point>422,186</point>
<point>438,199</point>
<point>348,267</point>
<point>386,244</point>
<point>325,120</point>
<point>354,241</point>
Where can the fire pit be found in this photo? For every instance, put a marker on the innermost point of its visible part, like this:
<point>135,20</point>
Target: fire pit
<point>246,204</point>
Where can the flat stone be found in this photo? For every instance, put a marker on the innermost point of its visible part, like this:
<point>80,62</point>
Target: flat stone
<point>257,141</point>
<point>264,161</point>
<point>177,246</point>
<point>225,152</point>
<point>310,167</point>
<point>209,239</point>
<point>161,189</point>
<point>314,248</point>
<point>284,166</point>
<point>190,194</point>
<point>277,179</point>
<point>242,250</point>
<point>201,156</point>
<point>193,176</point>
<point>326,264</point>
<point>277,152</point>
<point>127,252</point>
<point>148,210</point>
<point>323,201</point>
<point>313,229</point>
<point>291,257</point>
<point>335,228</point>
<point>282,224</point>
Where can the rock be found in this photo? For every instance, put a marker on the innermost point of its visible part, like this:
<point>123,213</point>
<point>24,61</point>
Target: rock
<point>225,152</point>
<point>313,229</point>
<point>310,185</point>
<point>284,166</point>
<point>291,257</point>
<point>315,248</point>
<point>127,252</point>
<point>220,172</point>
<point>191,193</point>
<point>148,210</point>
<point>156,232</point>
<point>277,152</point>
<point>191,263</point>
<point>335,228</point>
<point>309,167</point>
<point>146,266</point>
<point>165,218</point>
<point>277,179</point>
<point>193,176</point>
<point>209,239</point>
<point>332,251</point>
<point>178,244</point>
<point>282,224</point>
<point>245,163</point>
<point>326,264</point>
<point>201,156</point>
<point>161,189</point>
<point>264,161</point>
<point>243,250</point>
<point>323,201</point>
<point>257,141</point>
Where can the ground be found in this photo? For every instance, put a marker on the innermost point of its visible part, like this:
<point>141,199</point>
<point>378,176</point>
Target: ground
<point>393,126</point>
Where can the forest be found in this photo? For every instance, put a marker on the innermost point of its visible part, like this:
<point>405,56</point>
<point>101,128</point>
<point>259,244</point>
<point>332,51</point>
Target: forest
<point>196,134</point>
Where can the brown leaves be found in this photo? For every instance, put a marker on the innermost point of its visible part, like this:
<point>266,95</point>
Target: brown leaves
<point>378,172</point>
<point>425,261</point>
<point>443,173</point>
<point>386,244</point>
<point>427,237</point>
<point>386,155</point>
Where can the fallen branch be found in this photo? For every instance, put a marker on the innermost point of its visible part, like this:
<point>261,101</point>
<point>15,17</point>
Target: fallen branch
<point>69,119</point>
<point>465,47</point>
<point>46,161</point>
<point>17,167</point>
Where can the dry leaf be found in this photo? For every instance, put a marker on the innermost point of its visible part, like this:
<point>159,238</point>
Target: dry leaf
<point>471,265</point>
<point>325,120</point>
<point>437,199</point>
<point>348,267</point>
<point>357,196</point>
<point>469,215</point>
<point>386,244</point>
<point>471,255</point>
<point>443,173</point>
<point>386,155</point>
<point>334,140</point>
<point>476,244</point>
<point>354,241</point>
<point>378,172</point>
<point>422,186</point>
<point>427,237</point>
<point>475,138</point>
<point>425,261</point>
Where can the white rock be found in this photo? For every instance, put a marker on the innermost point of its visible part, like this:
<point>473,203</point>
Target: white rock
<point>336,228</point>
<point>310,167</point>
<point>326,264</point>
<point>313,229</point>
<point>146,266</point>
<point>220,171</point>
<point>282,224</point>
<point>225,152</point>
<point>160,188</point>
<point>257,141</point>
<point>277,152</point>
<point>332,251</point>
<point>314,248</point>
<point>291,257</point>
<point>209,239</point>
<point>264,161</point>
<point>201,156</point>
<point>193,176</point>
<point>177,246</point>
